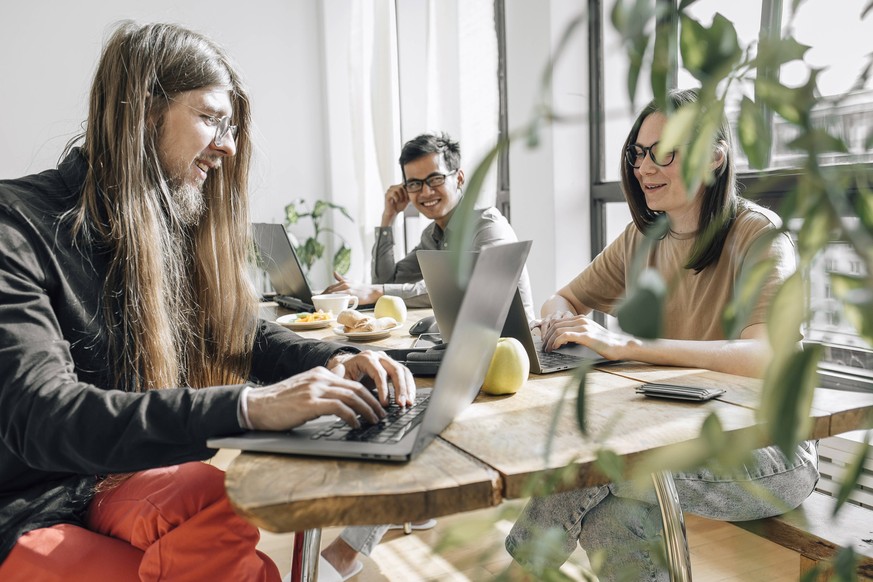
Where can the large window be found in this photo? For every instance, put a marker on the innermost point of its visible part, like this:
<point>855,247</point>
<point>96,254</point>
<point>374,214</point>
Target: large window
<point>838,38</point>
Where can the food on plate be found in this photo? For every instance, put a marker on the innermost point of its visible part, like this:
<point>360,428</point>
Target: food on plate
<point>312,317</point>
<point>355,321</point>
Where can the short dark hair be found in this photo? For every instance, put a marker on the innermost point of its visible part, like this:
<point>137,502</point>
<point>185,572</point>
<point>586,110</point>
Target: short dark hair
<point>432,143</point>
<point>720,200</point>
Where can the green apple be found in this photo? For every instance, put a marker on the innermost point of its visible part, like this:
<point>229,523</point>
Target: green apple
<point>509,368</point>
<point>390,306</point>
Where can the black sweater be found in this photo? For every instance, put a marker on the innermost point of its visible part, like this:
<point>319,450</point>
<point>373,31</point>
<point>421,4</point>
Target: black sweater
<point>60,425</point>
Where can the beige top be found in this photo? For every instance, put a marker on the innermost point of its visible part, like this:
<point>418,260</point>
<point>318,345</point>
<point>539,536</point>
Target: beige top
<point>694,302</point>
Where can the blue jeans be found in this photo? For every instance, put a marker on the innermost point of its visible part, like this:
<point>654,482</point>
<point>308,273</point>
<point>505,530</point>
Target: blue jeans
<point>363,538</point>
<point>624,522</point>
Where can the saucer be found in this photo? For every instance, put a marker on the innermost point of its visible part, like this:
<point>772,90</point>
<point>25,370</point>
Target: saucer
<point>365,335</point>
<point>290,321</point>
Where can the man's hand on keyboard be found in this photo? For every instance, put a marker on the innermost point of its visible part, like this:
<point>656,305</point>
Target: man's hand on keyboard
<point>380,368</point>
<point>295,400</point>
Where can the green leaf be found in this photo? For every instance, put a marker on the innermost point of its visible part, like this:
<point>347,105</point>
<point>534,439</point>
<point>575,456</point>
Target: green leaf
<point>319,209</point>
<point>641,312</point>
<point>291,216</point>
<point>787,315</point>
<point>793,104</point>
<point>662,59</point>
<point>631,22</point>
<point>813,574</point>
<point>815,232</point>
<point>845,565</point>
<point>818,141</point>
<point>852,474</point>
<point>857,298</point>
<point>747,291</point>
<point>713,433</point>
<point>610,465</point>
<point>864,203</point>
<point>343,210</point>
<point>581,417</point>
<point>311,251</point>
<point>698,157</point>
<point>342,260</point>
<point>754,132</point>
<point>709,54</point>
<point>787,397</point>
<point>774,52</point>
<point>680,127</point>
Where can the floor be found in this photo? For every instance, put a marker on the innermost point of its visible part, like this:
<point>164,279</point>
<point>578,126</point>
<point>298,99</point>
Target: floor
<point>469,547</point>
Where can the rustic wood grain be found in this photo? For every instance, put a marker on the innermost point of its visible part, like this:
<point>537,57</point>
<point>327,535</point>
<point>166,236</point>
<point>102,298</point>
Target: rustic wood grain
<point>512,434</point>
<point>812,530</point>
<point>832,411</point>
<point>287,493</point>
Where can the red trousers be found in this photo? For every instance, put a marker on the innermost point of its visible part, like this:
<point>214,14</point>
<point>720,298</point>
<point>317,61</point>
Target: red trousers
<point>173,523</point>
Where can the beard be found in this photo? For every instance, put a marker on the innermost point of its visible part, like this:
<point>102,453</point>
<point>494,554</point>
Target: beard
<point>189,203</point>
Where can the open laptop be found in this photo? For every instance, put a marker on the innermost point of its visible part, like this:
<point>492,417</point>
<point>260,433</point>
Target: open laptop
<point>283,267</point>
<point>444,285</point>
<point>482,312</point>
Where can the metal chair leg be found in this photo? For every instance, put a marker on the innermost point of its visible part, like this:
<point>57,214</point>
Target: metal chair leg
<point>304,561</point>
<point>678,556</point>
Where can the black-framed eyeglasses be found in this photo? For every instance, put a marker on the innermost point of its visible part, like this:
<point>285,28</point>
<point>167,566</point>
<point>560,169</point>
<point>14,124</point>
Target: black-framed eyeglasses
<point>435,180</point>
<point>635,153</point>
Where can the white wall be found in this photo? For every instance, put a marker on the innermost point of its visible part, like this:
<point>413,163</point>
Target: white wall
<point>549,191</point>
<point>49,50</point>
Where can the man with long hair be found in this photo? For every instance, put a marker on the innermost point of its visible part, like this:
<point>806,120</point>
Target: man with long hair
<point>130,332</point>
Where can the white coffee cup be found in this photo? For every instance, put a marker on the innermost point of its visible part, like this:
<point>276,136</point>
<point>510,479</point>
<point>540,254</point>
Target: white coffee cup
<point>334,302</point>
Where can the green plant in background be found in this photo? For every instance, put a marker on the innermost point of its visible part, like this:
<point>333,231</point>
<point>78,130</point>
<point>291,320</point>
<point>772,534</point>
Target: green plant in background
<point>313,247</point>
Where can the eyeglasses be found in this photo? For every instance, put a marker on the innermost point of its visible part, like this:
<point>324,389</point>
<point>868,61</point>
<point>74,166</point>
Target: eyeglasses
<point>222,128</point>
<point>635,153</point>
<point>435,180</point>
<point>221,124</point>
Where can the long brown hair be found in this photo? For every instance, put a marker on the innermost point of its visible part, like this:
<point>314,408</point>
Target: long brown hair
<point>719,204</point>
<point>179,306</point>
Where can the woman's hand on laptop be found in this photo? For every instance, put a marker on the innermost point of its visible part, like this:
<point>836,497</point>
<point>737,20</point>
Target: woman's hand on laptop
<point>380,369</point>
<point>581,329</point>
<point>295,400</point>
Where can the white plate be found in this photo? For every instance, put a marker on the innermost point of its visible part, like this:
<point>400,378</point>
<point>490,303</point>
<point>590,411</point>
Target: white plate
<point>290,321</point>
<point>364,335</point>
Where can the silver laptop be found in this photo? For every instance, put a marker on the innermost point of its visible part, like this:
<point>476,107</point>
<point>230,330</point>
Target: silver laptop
<point>444,282</point>
<point>482,312</point>
<point>280,261</point>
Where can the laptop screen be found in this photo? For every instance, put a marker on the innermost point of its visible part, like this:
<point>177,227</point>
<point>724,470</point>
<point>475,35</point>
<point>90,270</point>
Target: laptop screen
<point>280,261</point>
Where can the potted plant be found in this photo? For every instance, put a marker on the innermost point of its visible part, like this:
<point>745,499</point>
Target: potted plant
<point>313,247</point>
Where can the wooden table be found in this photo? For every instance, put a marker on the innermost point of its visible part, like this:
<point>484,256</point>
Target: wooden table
<point>499,444</point>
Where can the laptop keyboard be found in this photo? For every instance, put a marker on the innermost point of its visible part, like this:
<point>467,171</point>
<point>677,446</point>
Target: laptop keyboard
<point>548,359</point>
<point>392,428</point>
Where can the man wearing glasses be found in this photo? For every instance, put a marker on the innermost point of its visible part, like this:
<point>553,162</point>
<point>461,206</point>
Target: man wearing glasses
<point>432,180</point>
